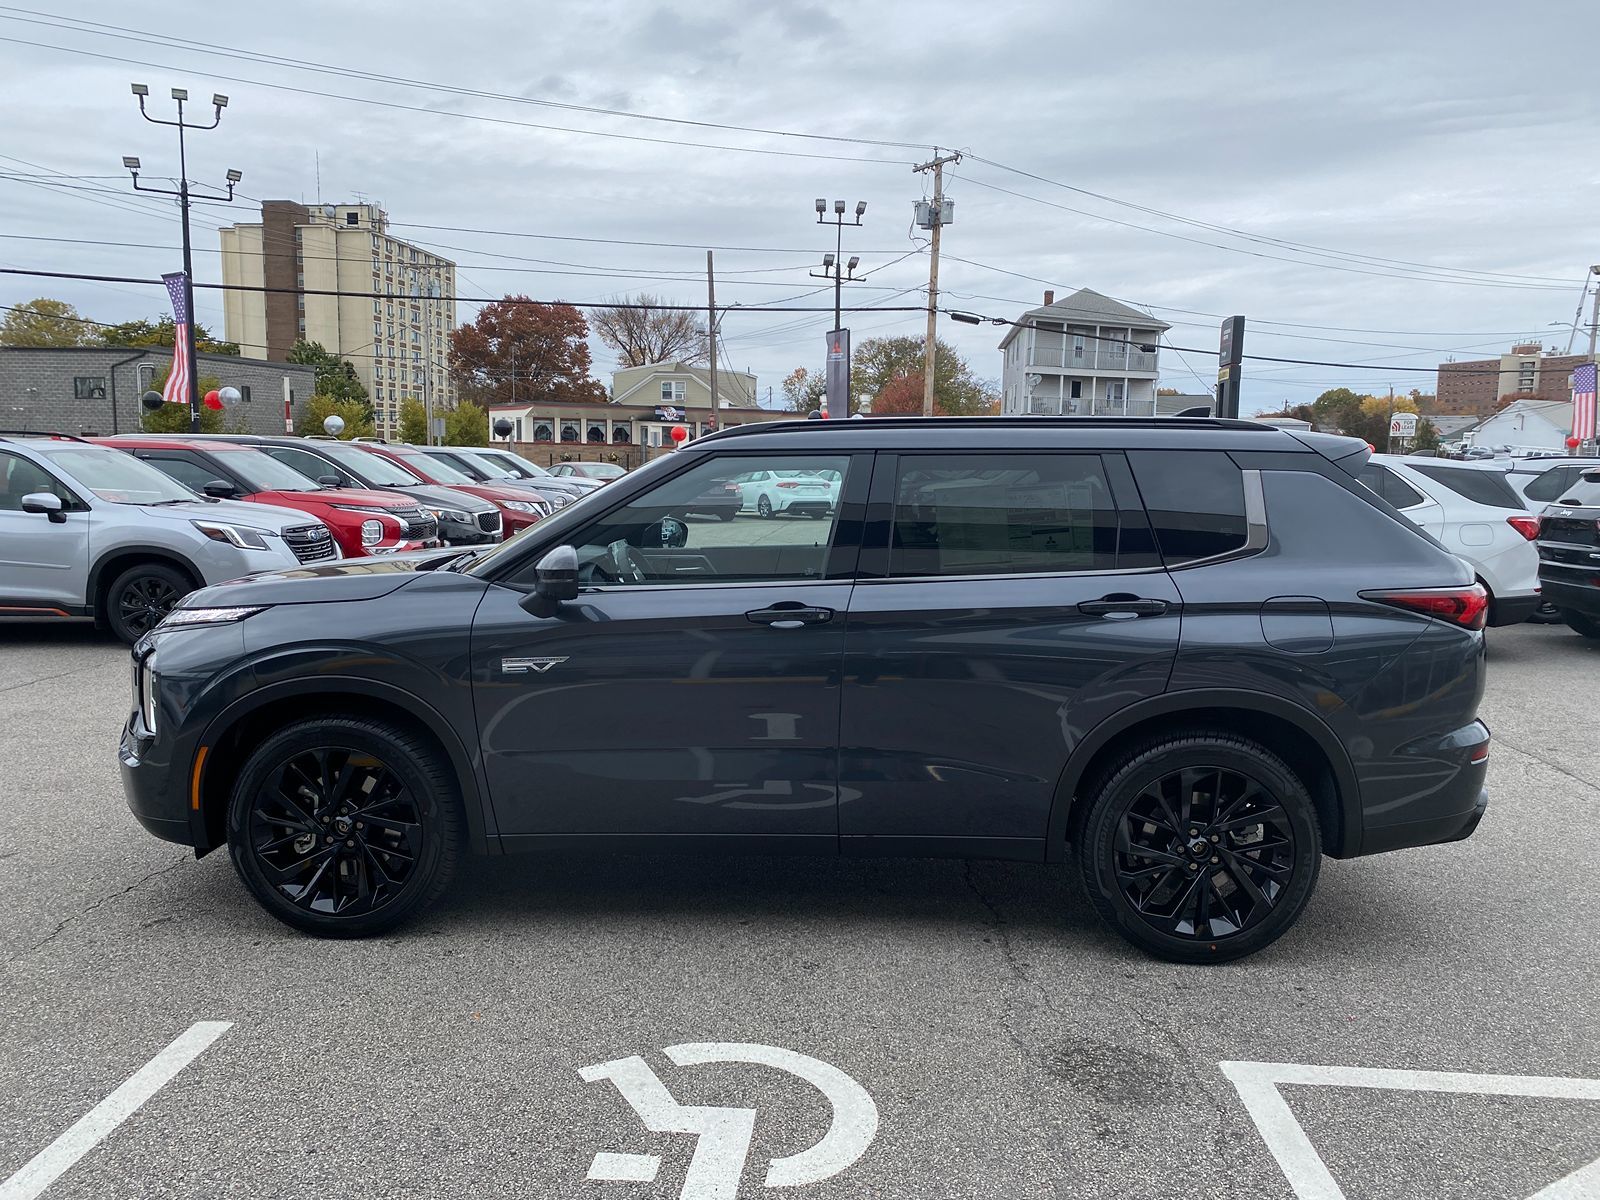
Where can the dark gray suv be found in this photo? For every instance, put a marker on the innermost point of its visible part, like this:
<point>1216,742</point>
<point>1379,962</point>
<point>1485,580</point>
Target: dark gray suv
<point>1189,657</point>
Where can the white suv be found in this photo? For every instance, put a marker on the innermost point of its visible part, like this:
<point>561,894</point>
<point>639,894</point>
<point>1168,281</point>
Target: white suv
<point>1473,512</point>
<point>87,531</point>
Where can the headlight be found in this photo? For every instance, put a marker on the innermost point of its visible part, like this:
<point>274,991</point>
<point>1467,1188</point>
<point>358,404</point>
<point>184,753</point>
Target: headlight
<point>517,505</point>
<point>147,691</point>
<point>241,536</point>
<point>179,617</point>
<point>371,533</point>
<point>451,514</point>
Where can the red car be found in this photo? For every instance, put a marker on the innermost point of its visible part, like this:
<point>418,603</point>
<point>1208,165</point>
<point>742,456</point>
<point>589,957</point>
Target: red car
<point>518,507</point>
<point>362,522</point>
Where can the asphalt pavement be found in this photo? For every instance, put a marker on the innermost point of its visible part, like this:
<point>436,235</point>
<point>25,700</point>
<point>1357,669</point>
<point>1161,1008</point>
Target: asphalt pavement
<point>1006,1045</point>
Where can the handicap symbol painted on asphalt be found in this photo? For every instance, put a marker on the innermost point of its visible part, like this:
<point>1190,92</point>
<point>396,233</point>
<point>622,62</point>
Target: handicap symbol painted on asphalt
<point>724,1133</point>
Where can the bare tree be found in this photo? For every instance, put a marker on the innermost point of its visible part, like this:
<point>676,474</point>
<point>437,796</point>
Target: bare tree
<point>644,335</point>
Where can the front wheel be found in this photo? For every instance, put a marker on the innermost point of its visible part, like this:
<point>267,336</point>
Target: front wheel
<point>141,596</point>
<point>1199,847</point>
<point>764,506</point>
<point>345,827</point>
<point>1578,623</point>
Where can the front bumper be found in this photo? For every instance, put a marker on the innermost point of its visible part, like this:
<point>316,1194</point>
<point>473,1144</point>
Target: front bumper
<point>155,791</point>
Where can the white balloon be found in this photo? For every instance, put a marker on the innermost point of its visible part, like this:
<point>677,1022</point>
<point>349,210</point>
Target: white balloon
<point>229,395</point>
<point>334,425</point>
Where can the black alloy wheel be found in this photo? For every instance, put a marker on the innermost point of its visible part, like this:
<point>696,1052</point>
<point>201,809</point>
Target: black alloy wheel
<point>141,596</point>
<point>1201,847</point>
<point>344,827</point>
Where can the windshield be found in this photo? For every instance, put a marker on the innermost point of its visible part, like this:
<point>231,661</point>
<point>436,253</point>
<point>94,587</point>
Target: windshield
<point>117,478</point>
<point>490,467</point>
<point>514,463</point>
<point>374,468</point>
<point>432,466</point>
<point>263,473</point>
<point>612,470</point>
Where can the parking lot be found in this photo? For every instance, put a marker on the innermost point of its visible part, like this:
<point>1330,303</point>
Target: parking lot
<point>1006,1044</point>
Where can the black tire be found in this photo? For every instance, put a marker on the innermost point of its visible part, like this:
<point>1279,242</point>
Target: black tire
<point>1578,623</point>
<point>1264,872</point>
<point>355,877</point>
<point>763,506</point>
<point>140,596</point>
<point>726,515</point>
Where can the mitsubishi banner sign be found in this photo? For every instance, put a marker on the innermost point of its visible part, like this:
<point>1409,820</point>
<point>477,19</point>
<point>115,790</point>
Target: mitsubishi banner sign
<point>837,403</point>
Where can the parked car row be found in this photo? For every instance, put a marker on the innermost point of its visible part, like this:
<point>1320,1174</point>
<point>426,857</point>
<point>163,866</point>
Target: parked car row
<point>119,529</point>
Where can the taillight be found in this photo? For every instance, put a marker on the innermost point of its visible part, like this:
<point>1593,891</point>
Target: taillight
<point>1467,607</point>
<point>788,485</point>
<point>1528,527</point>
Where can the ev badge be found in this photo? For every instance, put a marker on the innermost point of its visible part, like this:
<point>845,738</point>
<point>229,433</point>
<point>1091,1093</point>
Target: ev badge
<point>724,1133</point>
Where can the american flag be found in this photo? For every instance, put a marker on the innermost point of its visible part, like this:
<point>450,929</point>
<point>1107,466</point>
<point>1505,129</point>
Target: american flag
<point>177,388</point>
<point>1583,389</point>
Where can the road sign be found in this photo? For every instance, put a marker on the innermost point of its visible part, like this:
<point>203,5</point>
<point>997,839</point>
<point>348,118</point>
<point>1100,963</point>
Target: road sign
<point>724,1134</point>
<point>1403,425</point>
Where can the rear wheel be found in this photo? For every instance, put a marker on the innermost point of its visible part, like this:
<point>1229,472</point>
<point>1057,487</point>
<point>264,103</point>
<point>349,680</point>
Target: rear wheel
<point>345,827</point>
<point>1199,847</point>
<point>140,596</point>
<point>1578,623</point>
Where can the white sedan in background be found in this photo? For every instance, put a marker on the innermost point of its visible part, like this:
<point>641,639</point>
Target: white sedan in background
<point>814,494</point>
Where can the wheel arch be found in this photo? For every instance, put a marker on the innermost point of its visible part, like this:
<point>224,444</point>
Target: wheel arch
<point>248,719</point>
<point>1301,739</point>
<point>113,562</point>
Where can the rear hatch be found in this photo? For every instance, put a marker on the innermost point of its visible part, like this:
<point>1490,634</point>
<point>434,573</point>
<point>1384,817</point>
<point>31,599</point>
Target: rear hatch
<point>1569,535</point>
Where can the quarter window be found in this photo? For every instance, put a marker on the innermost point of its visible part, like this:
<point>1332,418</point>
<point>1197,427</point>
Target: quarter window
<point>1475,484</point>
<point>1195,499</point>
<point>1390,486</point>
<point>1002,515</point>
<point>1553,483</point>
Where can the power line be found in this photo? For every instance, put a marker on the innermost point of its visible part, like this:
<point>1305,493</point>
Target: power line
<point>123,33</point>
<point>435,112</point>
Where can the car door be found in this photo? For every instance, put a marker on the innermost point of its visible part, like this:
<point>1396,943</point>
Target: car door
<point>1007,603</point>
<point>692,688</point>
<point>43,563</point>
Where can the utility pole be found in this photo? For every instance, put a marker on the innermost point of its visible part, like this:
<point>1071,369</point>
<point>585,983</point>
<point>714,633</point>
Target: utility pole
<point>711,339</point>
<point>219,102</point>
<point>935,219</point>
<point>1594,320</point>
<point>1389,445</point>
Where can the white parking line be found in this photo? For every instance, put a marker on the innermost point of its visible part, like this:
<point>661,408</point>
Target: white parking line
<point>58,1157</point>
<point>1257,1084</point>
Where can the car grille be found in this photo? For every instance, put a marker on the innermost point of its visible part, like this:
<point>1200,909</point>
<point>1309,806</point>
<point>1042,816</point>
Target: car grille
<point>310,543</point>
<point>416,525</point>
<point>489,522</point>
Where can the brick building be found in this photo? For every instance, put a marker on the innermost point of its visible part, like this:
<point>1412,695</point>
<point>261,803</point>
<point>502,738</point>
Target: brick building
<point>92,389</point>
<point>1526,372</point>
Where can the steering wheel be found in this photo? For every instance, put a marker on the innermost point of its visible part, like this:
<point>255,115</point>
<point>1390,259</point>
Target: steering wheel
<point>611,565</point>
<point>629,568</point>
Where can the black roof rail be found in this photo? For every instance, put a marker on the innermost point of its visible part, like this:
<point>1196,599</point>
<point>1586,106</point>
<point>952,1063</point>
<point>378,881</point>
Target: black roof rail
<point>799,424</point>
<point>8,434</point>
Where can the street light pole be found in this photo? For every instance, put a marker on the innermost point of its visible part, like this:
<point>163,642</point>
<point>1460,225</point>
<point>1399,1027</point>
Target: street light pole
<point>219,102</point>
<point>835,268</point>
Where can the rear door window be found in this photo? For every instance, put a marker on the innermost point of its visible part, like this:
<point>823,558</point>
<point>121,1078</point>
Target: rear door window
<point>1481,487</point>
<point>1390,486</point>
<point>1553,484</point>
<point>1002,514</point>
<point>1195,499</point>
<point>193,475</point>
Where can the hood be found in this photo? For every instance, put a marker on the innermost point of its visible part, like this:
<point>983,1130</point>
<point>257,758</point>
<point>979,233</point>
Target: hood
<point>352,579</point>
<point>269,517</point>
<point>358,496</point>
<point>496,491</point>
<point>438,496</point>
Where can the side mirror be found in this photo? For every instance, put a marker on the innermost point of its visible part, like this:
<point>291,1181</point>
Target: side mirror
<point>47,503</point>
<point>329,480</point>
<point>221,489</point>
<point>555,580</point>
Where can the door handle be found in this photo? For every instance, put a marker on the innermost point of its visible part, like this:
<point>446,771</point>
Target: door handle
<point>1121,607</point>
<point>790,616</point>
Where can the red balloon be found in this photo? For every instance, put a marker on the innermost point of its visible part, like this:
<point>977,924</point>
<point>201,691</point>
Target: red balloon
<point>823,414</point>
<point>213,401</point>
<point>679,433</point>
<point>1573,443</point>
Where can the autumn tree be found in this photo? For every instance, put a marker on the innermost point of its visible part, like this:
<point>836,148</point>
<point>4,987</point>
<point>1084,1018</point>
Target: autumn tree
<point>336,378</point>
<point>546,344</point>
<point>466,425</point>
<point>413,421</point>
<point>902,397</point>
<point>357,417</point>
<point>46,322</point>
<point>1337,409</point>
<point>880,362</point>
<point>641,332</point>
<point>803,390</point>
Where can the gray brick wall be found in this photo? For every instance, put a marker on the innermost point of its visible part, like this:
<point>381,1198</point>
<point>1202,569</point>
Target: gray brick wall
<point>39,388</point>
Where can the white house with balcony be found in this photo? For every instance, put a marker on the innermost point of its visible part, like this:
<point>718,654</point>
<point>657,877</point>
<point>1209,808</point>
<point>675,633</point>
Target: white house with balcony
<point>1081,356</point>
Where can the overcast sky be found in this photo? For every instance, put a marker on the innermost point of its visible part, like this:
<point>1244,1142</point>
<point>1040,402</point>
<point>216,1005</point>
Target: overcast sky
<point>1325,145</point>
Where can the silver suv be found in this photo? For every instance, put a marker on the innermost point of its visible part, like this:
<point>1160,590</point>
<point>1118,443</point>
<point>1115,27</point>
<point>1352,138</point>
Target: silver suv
<point>86,531</point>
